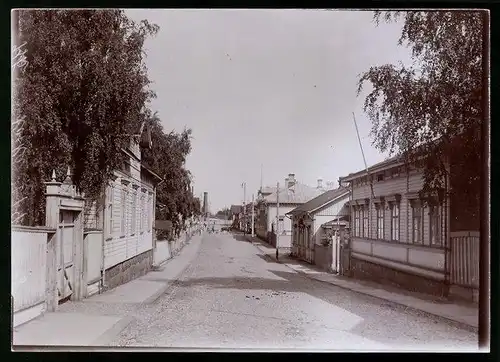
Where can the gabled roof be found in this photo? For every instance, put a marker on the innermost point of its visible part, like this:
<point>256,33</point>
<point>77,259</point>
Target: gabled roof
<point>297,194</point>
<point>320,201</point>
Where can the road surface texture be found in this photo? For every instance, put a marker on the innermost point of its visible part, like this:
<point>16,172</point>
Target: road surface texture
<point>231,296</point>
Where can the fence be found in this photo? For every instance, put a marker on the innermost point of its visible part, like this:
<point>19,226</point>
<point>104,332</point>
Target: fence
<point>93,254</point>
<point>29,271</point>
<point>464,268</point>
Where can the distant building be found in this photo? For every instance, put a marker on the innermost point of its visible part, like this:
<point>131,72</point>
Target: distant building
<point>290,195</point>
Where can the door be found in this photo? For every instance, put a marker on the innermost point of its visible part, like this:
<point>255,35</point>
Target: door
<point>65,255</point>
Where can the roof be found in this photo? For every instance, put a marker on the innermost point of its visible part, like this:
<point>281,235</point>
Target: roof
<point>381,166</point>
<point>267,189</point>
<point>158,178</point>
<point>297,194</point>
<point>320,200</point>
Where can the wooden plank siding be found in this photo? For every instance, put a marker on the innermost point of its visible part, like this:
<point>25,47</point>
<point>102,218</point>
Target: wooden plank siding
<point>418,258</point>
<point>120,246</point>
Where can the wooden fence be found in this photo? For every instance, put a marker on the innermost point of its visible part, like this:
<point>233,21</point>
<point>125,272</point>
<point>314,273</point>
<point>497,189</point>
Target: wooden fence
<point>464,266</point>
<point>29,271</point>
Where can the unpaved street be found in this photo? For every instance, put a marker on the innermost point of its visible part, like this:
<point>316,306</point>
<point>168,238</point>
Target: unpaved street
<point>231,296</point>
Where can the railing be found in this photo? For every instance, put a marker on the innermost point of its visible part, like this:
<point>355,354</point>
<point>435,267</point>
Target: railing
<point>29,265</point>
<point>464,266</point>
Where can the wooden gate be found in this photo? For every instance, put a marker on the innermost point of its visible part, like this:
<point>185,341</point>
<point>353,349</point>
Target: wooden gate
<point>65,255</point>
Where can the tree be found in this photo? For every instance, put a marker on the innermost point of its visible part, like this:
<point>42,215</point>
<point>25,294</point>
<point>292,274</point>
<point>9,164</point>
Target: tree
<point>83,92</point>
<point>167,158</point>
<point>431,111</point>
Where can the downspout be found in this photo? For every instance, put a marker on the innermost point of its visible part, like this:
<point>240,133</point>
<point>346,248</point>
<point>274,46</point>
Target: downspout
<point>102,284</point>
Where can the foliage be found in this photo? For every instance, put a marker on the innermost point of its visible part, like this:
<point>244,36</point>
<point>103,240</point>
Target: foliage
<point>223,214</point>
<point>83,91</point>
<point>167,158</point>
<point>435,105</point>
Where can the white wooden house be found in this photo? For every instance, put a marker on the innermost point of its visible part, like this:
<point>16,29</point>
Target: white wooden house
<point>290,195</point>
<point>397,237</point>
<point>127,217</point>
<point>309,219</point>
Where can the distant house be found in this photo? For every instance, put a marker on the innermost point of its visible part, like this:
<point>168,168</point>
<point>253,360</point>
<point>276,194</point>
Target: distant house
<point>235,212</point>
<point>290,195</point>
<point>311,220</point>
<point>398,237</point>
<point>128,216</point>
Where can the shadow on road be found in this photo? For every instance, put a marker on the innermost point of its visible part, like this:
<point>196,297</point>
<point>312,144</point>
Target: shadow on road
<point>381,320</point>
<point>240,237</point>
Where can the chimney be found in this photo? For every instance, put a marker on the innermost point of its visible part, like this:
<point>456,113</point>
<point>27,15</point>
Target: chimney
<point>320,183</point>
<point>290,180</point>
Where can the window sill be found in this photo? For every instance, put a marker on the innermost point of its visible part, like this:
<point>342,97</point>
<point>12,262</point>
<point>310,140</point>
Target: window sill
<point>122,236</point>
<point>108,238</point>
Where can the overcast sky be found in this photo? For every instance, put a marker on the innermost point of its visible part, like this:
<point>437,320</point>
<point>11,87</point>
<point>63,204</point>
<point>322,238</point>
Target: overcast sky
<point>270,87</point>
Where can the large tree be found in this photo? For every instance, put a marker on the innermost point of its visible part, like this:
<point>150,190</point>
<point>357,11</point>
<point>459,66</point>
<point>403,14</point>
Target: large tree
<point>432,110</point>
<point>83,92</point>
<point>167,157</point>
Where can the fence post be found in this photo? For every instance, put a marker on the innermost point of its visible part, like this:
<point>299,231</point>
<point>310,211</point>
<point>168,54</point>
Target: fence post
<point>53,241</point>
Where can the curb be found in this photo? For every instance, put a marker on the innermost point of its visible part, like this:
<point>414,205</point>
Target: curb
<point>108,336</point>
<point>168,285</point>
<point>462,325</point>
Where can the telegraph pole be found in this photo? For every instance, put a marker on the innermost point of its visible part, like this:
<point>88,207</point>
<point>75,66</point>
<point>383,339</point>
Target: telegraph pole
<point>277,218</point>
<point>484,236</point>
<point>244,185</point>
<point>253,215</point>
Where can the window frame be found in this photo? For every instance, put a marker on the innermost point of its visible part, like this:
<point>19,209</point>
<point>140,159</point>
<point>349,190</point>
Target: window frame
<point>380,221</point>
<point>366,221</point>
<point>417,222</point>
<point>395,220</point>
<point>435,238</point>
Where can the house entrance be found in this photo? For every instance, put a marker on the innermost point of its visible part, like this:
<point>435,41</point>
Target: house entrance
<point>66,255</point>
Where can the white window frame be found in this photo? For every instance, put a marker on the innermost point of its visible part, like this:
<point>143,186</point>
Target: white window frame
<point>143,211</point>
<point>150,213</point>
<point>133,211</point>
<point>435,237</point>
<point>357,221</point>
<point>109,211</point>
<point>366,221</point>
<point>417,222</point>
<point>123,204</point>
<point>380,221</point>
<point>395,220</point>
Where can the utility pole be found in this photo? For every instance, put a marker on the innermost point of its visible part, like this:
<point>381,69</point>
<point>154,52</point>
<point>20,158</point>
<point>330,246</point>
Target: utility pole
<point>484,236</point>
<point>244,185</point>
<point>277,219</point>
<point>253,215</point>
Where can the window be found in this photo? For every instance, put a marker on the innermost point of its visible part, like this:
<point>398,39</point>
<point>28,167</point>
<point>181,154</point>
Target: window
<point>435,225</point>
<point>366,224</point>
<point>417,223</point>
<point>134,212</point>
<point>380,177</point>
<point>380,221</point>
<point>141,205</point>
<point>357,222</point>
<point>123,209</point>
<point>395,221</point>
<point>109,211</point>
<point>150,211</point>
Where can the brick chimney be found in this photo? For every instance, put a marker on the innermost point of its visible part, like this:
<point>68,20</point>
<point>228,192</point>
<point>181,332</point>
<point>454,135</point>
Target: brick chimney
<point>320,183</point>
<point>290,180</point>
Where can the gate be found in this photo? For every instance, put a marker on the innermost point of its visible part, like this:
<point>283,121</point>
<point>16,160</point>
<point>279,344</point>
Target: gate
<point>65,270</point>
<point>65,255</point>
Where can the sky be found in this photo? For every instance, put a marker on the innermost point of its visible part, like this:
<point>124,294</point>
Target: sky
<point>270,90</point>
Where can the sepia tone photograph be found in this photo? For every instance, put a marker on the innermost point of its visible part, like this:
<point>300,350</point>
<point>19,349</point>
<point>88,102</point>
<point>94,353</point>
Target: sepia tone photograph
<point>250,180</point>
